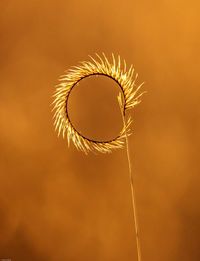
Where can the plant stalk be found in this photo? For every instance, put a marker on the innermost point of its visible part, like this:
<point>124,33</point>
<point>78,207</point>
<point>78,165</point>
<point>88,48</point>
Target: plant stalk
<point>136,225</point>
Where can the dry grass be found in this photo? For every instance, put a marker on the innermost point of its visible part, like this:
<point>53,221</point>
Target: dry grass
<point>126,81</point>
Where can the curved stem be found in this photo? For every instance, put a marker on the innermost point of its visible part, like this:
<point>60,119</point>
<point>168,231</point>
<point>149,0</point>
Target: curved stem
<point>131,185</point>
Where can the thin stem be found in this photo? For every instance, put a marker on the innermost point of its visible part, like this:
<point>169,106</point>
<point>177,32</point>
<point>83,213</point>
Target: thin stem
<point>131,185</point>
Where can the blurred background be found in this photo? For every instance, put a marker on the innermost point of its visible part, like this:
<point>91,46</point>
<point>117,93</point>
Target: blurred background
<point>58,204</point>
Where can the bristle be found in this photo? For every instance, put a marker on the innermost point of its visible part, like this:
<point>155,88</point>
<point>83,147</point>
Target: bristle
<point>102,66</point>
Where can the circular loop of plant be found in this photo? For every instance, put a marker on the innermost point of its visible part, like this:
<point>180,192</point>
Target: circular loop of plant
<point>100,66</point>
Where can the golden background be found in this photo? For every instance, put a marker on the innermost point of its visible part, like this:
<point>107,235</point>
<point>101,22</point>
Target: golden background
<point>58,204</point>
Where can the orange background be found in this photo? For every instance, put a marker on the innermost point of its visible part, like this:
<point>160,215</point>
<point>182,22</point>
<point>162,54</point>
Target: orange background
<point>56,203</point>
